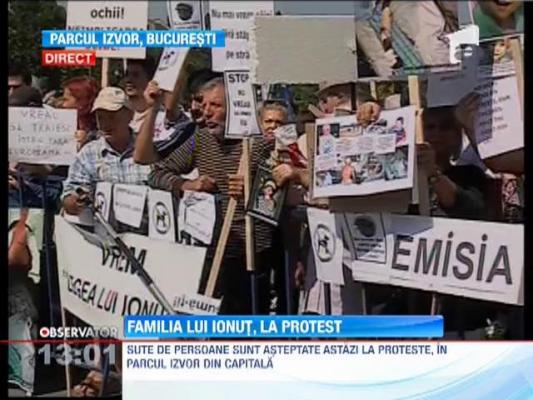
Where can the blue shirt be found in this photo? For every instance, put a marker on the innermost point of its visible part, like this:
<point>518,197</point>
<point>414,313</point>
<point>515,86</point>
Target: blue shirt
<point>97,162</point>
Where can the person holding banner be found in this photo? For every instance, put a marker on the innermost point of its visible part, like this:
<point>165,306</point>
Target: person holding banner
<point>217,160</point>
<point>26,180</point>
<point>108,159</point>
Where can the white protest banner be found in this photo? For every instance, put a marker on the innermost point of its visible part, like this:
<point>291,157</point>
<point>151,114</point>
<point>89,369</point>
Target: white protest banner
<point>499,127</point>
<point>42,135</point>
<point>161,216</point>
<point>185,14</point>
<point>480,260</point>
<point>236,19</point>
<point>327,245</point>
<point>102,198</point>
<point>98,285</point>
<point>197,215</point>
<point>109,15</point>
<point>169,67</point>
<point>352,160</point>
<point>128,203</point>
<point>303,49</point>
<point>241,116</point>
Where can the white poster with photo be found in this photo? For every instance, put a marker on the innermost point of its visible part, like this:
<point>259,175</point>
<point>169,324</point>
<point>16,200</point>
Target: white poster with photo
<point>161,216</point>
<point>236,19</point>
<point>98,285</point>
<point>109,15</point>
<point>492,59</point>
<point>352,160</point>
<point>197,215</point>
<point>102,198</point>
<point>327,245</point>
<point>170,64</point>
<point>474,259</point>
<point>499,126</point>
<point>128,203</point>
<point>241,115</point>
<point>42,135</point>
<point>185,14</point>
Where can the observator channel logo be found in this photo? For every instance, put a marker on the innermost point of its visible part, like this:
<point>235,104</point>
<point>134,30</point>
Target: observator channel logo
<point>86,332</point>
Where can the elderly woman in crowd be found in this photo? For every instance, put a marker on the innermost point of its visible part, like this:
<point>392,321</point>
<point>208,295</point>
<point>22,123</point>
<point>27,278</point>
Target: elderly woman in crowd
<point>79,93</point>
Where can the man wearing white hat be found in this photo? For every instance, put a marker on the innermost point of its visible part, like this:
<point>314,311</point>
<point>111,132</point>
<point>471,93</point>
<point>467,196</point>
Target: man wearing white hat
<point>108,159</point>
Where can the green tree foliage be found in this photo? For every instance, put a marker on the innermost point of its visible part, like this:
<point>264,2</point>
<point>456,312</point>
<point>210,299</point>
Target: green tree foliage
<point>26,20</point>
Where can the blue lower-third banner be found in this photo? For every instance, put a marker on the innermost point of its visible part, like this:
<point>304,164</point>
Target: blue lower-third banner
<point>181,326</point>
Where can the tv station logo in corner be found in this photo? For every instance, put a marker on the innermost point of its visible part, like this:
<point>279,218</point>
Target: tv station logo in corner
<point>68,58</point>
<point>86,332</point>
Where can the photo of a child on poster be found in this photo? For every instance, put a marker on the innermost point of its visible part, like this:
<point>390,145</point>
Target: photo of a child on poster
<point>266,199</point>
<point>495,17</point>
<point>365,160</point>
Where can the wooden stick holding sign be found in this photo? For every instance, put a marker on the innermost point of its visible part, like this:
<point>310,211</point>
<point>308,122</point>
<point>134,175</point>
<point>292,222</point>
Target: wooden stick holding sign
<point>105,72</point>
<point>249,224</point>
<point>223,239</point>
<point>67,363</point>
<point>422,187</point>
<point>516,52</point>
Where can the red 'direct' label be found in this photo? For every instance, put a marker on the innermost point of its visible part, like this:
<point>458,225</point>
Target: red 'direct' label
<point>68,58</point>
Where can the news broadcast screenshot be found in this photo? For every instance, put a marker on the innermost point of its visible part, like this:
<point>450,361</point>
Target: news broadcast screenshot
<point>293,200</point>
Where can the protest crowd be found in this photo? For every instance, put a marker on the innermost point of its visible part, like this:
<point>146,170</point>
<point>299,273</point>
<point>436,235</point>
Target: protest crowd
<point>139,138</point>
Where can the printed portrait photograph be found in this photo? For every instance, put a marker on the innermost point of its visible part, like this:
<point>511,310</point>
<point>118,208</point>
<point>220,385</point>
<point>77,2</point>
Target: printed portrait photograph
<point>326,135</point>
<point>395,165</point>
<point>266,200</point>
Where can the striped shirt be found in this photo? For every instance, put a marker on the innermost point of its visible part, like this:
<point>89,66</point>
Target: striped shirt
<point>217,160</point>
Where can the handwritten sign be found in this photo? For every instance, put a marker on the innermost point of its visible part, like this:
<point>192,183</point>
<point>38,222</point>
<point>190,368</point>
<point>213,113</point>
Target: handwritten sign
<point>241,114</point>
<point>42,135</point>
<point>128,203</point>
<point>236,19</point>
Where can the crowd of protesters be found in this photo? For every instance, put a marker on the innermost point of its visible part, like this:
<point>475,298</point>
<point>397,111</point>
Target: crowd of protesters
<point>136,133</point>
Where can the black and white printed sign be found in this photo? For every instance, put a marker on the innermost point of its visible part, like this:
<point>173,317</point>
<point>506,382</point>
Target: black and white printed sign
<point>161,217</point>
<point>241,116</point>
<point>327,245</point>
<point>185,14</point>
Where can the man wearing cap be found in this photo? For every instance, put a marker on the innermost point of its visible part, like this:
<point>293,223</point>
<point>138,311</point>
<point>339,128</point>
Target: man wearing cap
<point>109,158</point>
